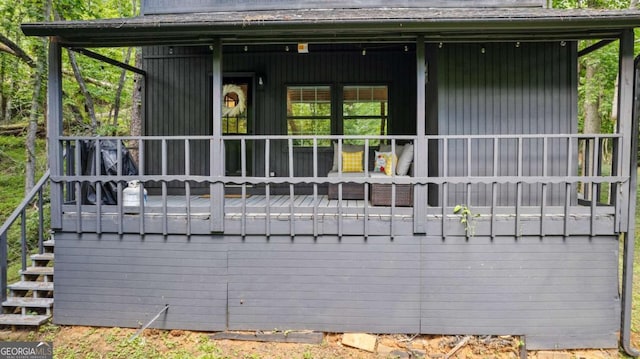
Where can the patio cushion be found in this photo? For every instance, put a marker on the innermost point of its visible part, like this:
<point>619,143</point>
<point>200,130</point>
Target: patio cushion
<point>385,162</point>
<point>404,162</point>
<point>345,148</point>
<point>352,161</point>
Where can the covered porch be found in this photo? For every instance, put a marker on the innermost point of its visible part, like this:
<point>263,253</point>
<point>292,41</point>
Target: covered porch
<point>552,193</point>
<point>501,179</point>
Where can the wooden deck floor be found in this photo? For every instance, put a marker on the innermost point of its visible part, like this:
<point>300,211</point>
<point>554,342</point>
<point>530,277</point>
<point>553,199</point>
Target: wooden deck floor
<point>282,214</point>
<point>255,201</point>
<point>258,204</point>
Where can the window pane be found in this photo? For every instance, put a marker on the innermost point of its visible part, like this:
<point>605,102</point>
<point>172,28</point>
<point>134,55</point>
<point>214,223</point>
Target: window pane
<point>309,113</point>
<point>365,111</point>
<point>309,101</point>
<point>310,127</point>
<point>365,101</point>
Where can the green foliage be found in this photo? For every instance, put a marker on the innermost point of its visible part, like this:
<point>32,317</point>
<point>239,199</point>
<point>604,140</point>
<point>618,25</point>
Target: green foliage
<point>600,89</point>
<point>12,171</point>
<point>16,86</point>
<point>467,218</point>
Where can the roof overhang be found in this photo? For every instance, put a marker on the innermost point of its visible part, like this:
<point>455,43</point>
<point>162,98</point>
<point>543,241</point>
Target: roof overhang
<point>331,25</point>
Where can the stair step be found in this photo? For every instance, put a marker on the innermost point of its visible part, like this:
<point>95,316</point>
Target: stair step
<point>49,243</point>
<point>43,257</point>
<point>28,302</point>
<point>42,286</point>
<point>37,271</point>
<point>18,319</point>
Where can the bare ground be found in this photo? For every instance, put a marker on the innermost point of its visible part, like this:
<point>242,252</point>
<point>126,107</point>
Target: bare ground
<point>90,342</point>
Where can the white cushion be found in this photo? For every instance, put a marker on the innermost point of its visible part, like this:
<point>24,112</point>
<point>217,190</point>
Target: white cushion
<point>404,161</point>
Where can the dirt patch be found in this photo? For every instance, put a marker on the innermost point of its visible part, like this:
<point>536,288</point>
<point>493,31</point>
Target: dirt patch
<point>91,342</point>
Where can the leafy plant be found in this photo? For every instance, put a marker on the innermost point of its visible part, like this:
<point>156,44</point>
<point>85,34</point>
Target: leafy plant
<point>307,354</point>
<point>467,218</point>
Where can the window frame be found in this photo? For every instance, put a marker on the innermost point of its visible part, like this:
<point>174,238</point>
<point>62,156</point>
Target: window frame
<point>329,117</point>
<point>342,117</point>
<point>337,117</point>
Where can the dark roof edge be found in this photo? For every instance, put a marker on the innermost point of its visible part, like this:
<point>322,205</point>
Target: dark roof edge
<point>153,7</point>
<point>270,24</point>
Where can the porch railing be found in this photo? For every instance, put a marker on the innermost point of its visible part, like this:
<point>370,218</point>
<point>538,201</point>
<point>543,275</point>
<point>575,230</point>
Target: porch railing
<point>36,195</point>
<point>517,176</point>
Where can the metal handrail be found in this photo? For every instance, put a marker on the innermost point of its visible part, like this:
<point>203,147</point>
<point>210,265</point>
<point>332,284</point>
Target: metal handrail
<point>21,212</point>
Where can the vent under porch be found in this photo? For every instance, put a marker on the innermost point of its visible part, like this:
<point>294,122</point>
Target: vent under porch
<point>478,185</point>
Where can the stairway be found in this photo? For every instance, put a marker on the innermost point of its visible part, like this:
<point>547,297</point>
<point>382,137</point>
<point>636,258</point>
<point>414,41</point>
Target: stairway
<point>30,301</point>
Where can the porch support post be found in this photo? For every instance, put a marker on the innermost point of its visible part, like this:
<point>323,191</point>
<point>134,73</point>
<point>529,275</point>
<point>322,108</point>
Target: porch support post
<point>420,163</point>
<point>628,127</point>
<point>625,108</point>
<point>54,130</point>
<point>217,147</point>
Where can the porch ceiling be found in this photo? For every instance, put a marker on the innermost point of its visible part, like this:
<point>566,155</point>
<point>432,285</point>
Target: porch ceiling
<point>342,25</point>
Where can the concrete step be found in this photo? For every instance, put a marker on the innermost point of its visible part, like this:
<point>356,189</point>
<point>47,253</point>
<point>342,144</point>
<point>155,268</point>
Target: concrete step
<point>37,271</point>
<point>18,319</point>
<point>43,257</point>
<point>28,302</point>
<point>38,286</point>
<point>49,246</point>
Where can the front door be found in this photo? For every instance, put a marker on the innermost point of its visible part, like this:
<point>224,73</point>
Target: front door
<point>237,120</point>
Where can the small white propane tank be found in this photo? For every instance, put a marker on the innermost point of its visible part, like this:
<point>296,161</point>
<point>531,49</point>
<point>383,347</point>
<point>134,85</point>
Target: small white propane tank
<point>131,194</point>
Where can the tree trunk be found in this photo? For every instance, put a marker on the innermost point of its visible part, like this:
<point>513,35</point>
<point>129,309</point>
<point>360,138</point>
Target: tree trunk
<point>3,96</point>
<point>8,114</point>
<point>136,106</point>
<point>77,116</point>
<point>35,108</point>
<point>88,100</point>
<point>592,123</point>
<point>123,77</point>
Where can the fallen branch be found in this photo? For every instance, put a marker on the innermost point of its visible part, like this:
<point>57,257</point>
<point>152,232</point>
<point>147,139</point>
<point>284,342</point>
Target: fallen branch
<point>20,129</point>
<point>92,80</point>
<point>462,343</point>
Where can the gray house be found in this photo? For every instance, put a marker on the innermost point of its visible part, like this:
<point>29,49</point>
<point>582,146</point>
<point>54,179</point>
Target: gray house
<point>348,166</point>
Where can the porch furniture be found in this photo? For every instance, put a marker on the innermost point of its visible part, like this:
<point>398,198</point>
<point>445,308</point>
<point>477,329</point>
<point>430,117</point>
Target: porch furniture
<point>349,190</point>
<point>380,194</point>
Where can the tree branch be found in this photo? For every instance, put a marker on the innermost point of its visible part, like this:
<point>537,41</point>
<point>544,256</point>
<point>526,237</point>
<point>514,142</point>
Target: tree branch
<point>92,80</point>
<point>88,100</point>
<point>16,51</point>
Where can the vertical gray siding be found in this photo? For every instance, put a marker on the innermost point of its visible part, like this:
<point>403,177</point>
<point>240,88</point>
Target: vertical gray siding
<point>177,103</point>
<point>123,281</point>
<point>508,89</point>
<point>559,292</point>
